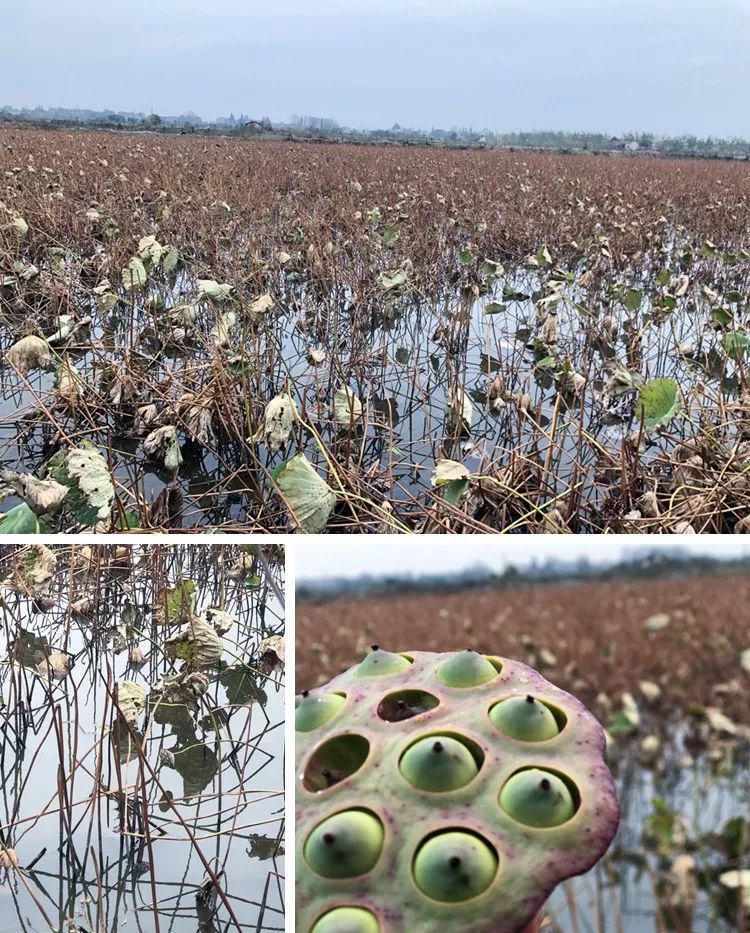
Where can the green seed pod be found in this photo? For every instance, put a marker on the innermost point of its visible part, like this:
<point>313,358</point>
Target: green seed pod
<point>315,711</point>
<point>466,669</point>
<point>537,798</point>
<point>347,920</point>
<point>438,763</point>
<point>345,845</point>
<point>524,718</point>
<point>380,662</point>
<point>454,866</point>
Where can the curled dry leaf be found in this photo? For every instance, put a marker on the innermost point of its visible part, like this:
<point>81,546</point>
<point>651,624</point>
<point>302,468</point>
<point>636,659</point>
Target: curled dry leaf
<point>261,305</point>
<point>162,444</point>
<point>222,621</point>
<point>198,644</point>
<point>243,566</point>
<point>131,701</point>
<point>29,353</point>
<point>271,654</point>
<point>41,495</point>
<point>56,666</point>
<point>8,859</point>
<point>33,569</point>
<point>316,356</point>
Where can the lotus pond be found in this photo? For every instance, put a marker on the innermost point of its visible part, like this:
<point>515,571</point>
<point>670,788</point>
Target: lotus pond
<point>273,336</point>
<point>142,746</point>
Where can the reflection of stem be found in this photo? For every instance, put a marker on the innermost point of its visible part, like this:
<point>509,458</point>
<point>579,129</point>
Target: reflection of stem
<point>269,576</point>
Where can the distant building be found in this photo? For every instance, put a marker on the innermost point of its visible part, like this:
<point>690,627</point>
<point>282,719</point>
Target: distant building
<point>622,145</point>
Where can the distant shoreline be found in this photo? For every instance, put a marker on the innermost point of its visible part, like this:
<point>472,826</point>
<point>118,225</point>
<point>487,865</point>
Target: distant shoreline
<point>360,139</point>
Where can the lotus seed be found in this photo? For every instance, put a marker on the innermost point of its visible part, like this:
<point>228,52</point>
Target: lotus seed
<point>466,669</point>
<point>537,798</point>
<point>315,711</point>
<point>345,845</point>
<point>438,763</point>
<point>347,920</point>
<point>454,866</point>
<point>380,662</point>
<point>524,718</point>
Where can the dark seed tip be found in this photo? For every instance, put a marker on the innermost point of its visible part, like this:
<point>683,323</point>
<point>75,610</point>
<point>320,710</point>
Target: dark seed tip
<point>329,839</point>
<point>545,784</point>
<point>305,693</point>
<point>374,647</point>
<point>455,861</point>
<point>437,747</point>
<point>529,698</point>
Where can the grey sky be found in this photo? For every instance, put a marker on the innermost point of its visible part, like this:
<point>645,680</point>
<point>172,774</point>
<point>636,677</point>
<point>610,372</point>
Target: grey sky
<point>667,66</point>
<point>377,556</point>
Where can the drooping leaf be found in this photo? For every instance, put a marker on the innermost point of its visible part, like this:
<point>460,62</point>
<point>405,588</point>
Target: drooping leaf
<point>134,275</point>
<point>658,402</point>
<point>209,288</point>
<point>347,408</point>
<point>393,280</point>
<point>736,344</point>
<point>86,474</point>
<point>197,764</point>
<point>162,444</point>
<point>281,413</point>
<point>175,605</point>
<point>240,684</point>
<point>309,499</point>
<point>263,847</point>
<point>460,408</point>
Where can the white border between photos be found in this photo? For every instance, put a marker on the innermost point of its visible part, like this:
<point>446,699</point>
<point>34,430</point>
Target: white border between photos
<point>289,630</point>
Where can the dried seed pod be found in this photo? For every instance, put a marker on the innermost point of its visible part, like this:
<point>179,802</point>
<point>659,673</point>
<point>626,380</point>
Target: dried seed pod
<point>444,791</point>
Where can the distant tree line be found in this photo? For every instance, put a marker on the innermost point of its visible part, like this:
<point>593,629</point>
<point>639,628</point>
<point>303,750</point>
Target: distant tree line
<point>328,128</point>
<point>640,566</point>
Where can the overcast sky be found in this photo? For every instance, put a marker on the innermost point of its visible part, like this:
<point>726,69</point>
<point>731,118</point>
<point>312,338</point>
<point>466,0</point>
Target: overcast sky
<point>378,556</point>
<point>667,66</point>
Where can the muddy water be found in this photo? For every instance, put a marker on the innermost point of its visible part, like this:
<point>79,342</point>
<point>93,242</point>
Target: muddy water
<point>88,864</point>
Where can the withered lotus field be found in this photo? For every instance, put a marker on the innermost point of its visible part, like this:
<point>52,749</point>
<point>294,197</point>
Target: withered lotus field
<point>205,333</point>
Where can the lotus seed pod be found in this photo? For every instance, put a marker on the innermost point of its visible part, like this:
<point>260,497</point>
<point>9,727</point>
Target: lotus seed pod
<point>380,662</point>
<point>525,718</point>
<point>347,920</point>
<point>466,669</point>
<point>370,778</point>
<point>345,845</point>
<point>537,798</point>
<point>454,867</point>
<point>314,711</point>
<point>438,763</point>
